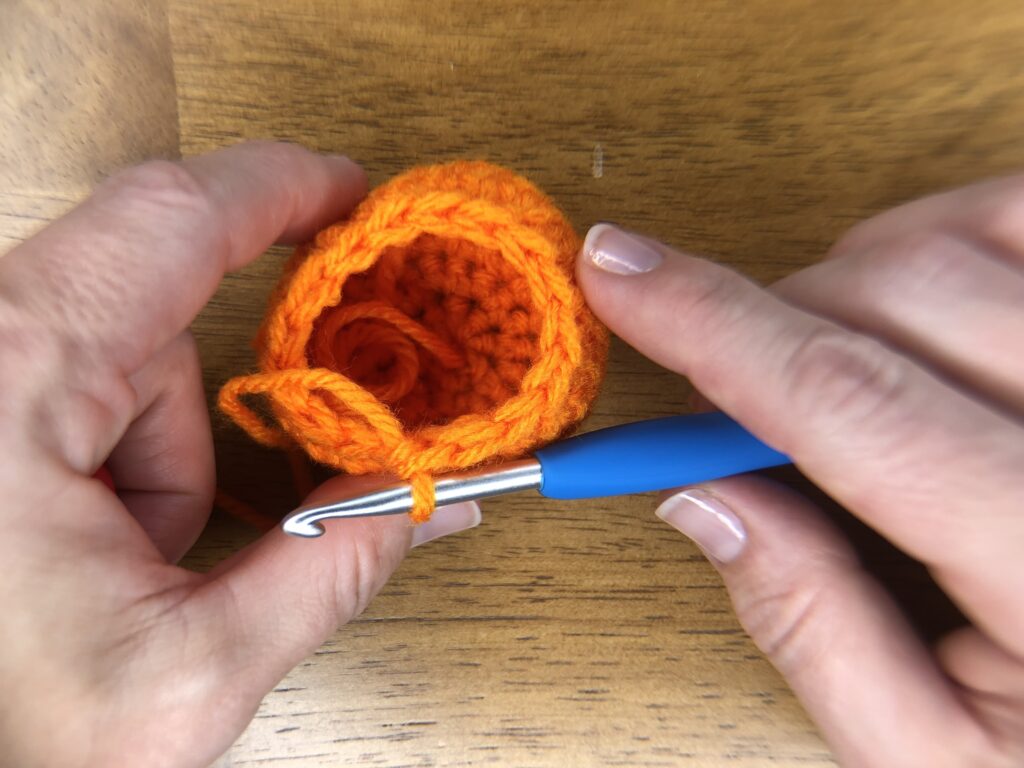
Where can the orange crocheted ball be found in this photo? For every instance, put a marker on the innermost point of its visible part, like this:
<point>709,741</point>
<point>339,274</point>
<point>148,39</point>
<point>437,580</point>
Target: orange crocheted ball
<point>438,328</point>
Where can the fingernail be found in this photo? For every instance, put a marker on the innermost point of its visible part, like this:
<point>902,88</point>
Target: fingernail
<point>447,520</point>
<point>612,250</point>
<point>708,521</point>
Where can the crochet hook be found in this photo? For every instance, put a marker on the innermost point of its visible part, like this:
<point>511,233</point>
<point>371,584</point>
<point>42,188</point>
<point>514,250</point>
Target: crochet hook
<point>631,458</point>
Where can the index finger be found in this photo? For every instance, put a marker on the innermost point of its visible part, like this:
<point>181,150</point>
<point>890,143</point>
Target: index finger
<point>934,469</point>
<point>989,212</point>
<point>128,269</point>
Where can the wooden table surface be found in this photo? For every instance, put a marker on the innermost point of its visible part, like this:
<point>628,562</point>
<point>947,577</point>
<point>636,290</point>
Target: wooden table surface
<point>554,634</point>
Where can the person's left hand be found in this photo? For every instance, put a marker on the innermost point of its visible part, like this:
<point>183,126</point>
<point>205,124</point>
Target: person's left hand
<point>109,653</point>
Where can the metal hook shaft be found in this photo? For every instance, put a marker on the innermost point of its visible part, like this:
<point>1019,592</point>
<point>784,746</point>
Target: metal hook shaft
<point>469,485</point>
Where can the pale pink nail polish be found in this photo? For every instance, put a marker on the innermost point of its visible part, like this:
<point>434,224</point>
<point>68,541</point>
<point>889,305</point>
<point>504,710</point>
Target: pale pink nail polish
<point>708,521</point>
<point>612,250</point>
<point>446,521</point>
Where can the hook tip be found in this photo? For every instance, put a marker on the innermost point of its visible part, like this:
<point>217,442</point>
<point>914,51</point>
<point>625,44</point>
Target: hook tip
<point>296,526</point>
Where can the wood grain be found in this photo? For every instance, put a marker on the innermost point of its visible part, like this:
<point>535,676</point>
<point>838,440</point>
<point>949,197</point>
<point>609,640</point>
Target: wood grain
<point>85,89</point>
<point>586,634</point>
<point>555,633</point>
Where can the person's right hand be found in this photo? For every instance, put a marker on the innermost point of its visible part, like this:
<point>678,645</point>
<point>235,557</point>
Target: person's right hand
<point>893,374</point>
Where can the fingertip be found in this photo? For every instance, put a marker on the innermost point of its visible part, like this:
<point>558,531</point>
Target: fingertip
<point>663,302</point>
<point>618,252</point>
<point>347,185</point>
<point>351,174</point>
<point>346,166</point>
<point>611,279</point>
<point>284,185</point>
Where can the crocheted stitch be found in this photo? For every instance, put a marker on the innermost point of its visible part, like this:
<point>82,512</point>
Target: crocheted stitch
<point>438,328</point>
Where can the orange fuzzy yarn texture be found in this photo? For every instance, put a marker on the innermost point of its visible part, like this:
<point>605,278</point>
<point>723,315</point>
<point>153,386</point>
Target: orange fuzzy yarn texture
<point>438,328</point>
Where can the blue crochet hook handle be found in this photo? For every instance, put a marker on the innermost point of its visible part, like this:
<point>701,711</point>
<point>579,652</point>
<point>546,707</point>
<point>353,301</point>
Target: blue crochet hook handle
<point>651,456</point>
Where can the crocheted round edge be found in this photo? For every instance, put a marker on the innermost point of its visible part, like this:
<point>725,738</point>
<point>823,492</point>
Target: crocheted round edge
<point>313,282</point>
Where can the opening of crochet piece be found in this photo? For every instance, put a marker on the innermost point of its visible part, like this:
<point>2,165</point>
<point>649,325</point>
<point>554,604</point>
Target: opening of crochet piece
<point>438,328</point>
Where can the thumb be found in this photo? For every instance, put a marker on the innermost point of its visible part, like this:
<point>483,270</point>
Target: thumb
<point>829,628</point>
<point>282,596</point>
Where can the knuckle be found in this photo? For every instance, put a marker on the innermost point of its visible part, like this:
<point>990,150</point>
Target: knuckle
<point>36,362</point>
<point>187,347</point>
<point>842,377</point>
<point>28,359</point>
<point>702,299</point>
<point>277,151</point>
<point>183,356</point>
<point>277,155</point>
<point>356,594</point>
<point>359,576</point>
<point>850,239</point>
<point>919,262</point>
<point>370,568</point>
<point>161,183</point>
<point>791,622</point>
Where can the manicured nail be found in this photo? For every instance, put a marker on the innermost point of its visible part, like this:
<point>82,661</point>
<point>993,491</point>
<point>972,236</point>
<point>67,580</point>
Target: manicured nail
<point>707,520</point>
<point>447,520</point>
<point>611,249</point>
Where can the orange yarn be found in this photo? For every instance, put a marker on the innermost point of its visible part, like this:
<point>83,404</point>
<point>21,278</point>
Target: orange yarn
<point>438,328</point>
